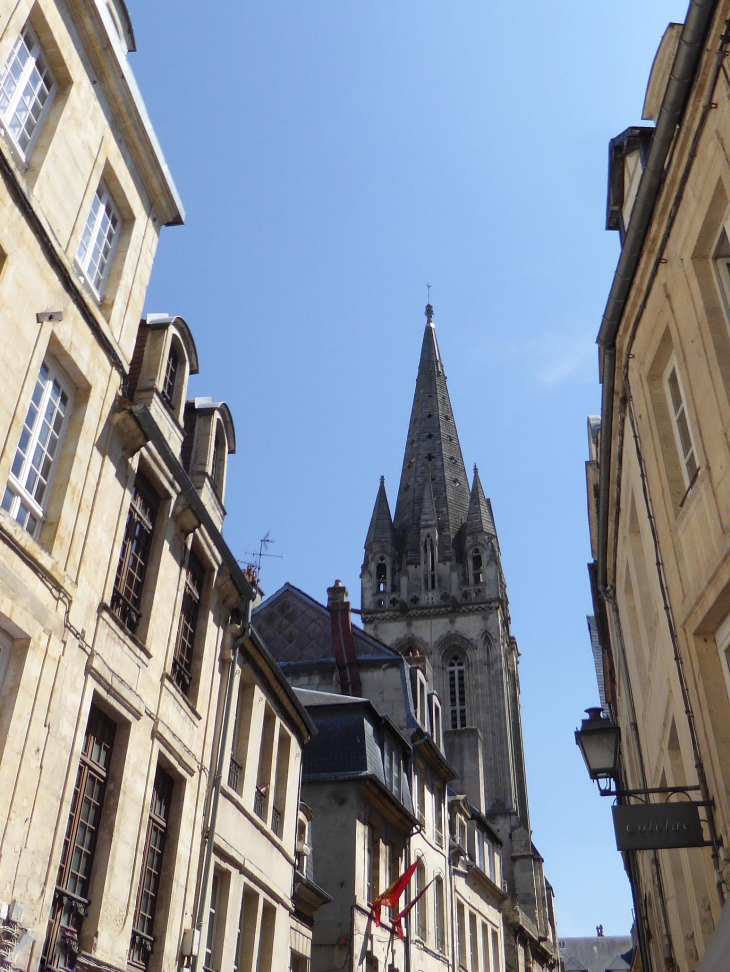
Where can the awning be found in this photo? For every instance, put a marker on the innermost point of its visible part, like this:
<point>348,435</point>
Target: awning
<point>717,956</point>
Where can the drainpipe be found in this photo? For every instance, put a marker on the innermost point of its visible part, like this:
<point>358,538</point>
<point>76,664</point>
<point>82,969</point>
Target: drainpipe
<point>241,635</point>
<point>691,43</point>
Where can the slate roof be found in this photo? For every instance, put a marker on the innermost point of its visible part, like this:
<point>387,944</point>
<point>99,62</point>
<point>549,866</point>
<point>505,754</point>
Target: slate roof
<point>296,628</point>
<point>347,744</point>
<point>381,522</point>
<point>603,953</point>
<point>479,519</point>
<point>433,453</point>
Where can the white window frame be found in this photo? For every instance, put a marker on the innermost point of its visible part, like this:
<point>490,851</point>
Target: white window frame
<point>37,62</point>
<point>437,720</point>
<point>92,234</point>
<point>722,640</point>
<point>6,646</point>
<point>722,269</point>
<point>17,481</point>
<point>676,415</point>
<point>421,699</point>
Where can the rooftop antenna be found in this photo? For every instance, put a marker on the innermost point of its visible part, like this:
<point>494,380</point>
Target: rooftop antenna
<point>429,306</point>
<point>255,563</point>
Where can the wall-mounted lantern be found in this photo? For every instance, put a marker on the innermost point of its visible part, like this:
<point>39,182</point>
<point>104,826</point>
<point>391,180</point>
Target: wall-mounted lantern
<point>598,739</point>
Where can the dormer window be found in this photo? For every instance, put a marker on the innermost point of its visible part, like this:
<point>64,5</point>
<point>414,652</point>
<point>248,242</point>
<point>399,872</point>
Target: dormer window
<point>392,767</point>
<point>168,384</point>
<point>304,841</point>
<point>218,463</point>
<point>429,563</point>
<point>436,721</point>
<point>164,357</point>
<point>477,570</point>
<point>209,439</point>
<point>628,153</point>
<point>421,695</point>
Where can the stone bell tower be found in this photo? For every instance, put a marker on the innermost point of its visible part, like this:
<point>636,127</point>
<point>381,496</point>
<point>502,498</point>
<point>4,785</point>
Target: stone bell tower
<point>432,583</point>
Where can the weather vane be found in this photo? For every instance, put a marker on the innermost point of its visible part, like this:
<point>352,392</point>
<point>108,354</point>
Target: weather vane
<point>429,306</point>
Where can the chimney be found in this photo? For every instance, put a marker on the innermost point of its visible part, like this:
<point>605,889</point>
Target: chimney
<point>344,647</point>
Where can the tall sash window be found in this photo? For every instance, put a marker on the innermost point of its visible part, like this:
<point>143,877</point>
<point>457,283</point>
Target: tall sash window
<point>79,845</point>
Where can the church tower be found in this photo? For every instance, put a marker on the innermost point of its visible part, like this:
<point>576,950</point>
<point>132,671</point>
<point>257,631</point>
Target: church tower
<point>432,584</point>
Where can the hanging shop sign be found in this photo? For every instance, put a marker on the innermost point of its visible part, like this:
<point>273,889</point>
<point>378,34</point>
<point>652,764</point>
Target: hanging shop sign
<point>653,826</point>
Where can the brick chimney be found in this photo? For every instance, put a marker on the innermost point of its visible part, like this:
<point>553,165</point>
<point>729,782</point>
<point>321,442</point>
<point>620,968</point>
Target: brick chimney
<point>344,647</point>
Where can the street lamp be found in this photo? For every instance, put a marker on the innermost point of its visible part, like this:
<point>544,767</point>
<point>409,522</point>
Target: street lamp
<point>598,740</point>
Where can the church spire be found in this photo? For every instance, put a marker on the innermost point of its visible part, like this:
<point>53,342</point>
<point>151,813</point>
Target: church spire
<point>432,455</point>
<point>479,519</point>
<point>381,522</point>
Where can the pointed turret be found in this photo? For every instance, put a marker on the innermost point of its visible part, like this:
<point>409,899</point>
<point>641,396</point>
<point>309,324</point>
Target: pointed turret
<point>433,455</point>
<point>381,522</point>
<point>378,574</point>
<point>479,519</point>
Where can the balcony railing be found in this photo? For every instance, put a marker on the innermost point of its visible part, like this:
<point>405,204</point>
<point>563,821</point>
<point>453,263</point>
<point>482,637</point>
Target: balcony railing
<point>128,613</point>
<point>259,803</point>
<point>181,676</point>
<point>141,947</point>
<point>234,774</point>
<point>276,821</point>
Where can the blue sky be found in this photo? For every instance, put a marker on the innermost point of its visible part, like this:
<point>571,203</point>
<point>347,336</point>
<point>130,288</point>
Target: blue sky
<point>332,158</point>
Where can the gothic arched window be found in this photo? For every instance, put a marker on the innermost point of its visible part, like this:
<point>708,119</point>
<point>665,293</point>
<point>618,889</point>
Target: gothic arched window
<point>381,576</point>
<point>429,563</point>
<point>477,571</point>
<point>457,691</point>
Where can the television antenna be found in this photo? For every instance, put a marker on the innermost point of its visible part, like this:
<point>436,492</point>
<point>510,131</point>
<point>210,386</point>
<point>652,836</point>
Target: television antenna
<point>262,552</point>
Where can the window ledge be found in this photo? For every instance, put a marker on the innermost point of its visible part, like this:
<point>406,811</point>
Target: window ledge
<point>690,487</point>
<point>44,232</point>
<point>237,800</point>
<point>180,697</point>
<point>20,160</point>
<point>434,952</point>
<point>37,559</point>
<point>133,641</point>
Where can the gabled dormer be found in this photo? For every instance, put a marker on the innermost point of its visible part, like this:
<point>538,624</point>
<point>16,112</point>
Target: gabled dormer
<point>121,23</point>
<point>210,437</point>
<point>627,157</point>
<point>164,358</point>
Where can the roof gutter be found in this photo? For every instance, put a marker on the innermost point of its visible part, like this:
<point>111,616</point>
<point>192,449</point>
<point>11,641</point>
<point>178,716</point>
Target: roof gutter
<point>689,50</point>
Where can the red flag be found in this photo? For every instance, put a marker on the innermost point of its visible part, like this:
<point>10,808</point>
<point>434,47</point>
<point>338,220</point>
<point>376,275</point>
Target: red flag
<point>398,920</point>
<point>391,895</point>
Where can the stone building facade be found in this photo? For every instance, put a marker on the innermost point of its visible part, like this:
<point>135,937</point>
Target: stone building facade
<point>658,482</point>
<point>150,748</point>
<point>433,588</point>
<point>378,781</point>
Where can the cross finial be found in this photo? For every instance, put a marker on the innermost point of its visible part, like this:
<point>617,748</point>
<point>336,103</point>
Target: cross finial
<point>429,306</point>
